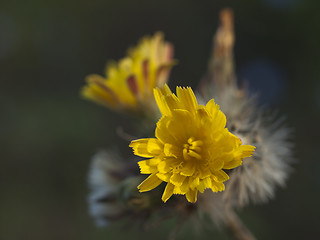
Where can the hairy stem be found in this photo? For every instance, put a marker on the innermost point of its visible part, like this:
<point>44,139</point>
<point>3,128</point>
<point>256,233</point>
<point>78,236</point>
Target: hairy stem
<point>236,228</point>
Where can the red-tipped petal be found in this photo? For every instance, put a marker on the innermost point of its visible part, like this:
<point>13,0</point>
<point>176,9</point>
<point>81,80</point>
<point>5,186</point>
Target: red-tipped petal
<point>145,71</point>
<point>133,85</point>
<point>97,80</point>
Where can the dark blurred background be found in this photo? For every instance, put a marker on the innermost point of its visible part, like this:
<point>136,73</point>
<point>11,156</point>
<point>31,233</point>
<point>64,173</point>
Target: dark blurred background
<point>48,133</point>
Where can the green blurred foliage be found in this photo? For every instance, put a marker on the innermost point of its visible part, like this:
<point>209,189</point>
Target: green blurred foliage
<point>48,133</point>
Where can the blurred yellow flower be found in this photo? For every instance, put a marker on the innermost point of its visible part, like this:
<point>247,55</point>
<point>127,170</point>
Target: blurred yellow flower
<point>128,84</point>
<point>191,148</point>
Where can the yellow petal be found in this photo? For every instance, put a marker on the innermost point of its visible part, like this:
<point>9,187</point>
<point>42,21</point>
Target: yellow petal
<point>195,183</point>
<point>188,169</point>
<point>140,147</point>
<point>144,167</point>
<point>150,183</point>
<point>207,182</point>
<point>202,113</point>
<point>185,185</point>
<point>232,164</point>
<point>172,102</point>
<point>220,176</point>
<point>177,179</point>
<point>201,187</point>
<point>162,132</point>
<point>212,107</point>
<point>187,98</point>
<point>146,147</point>
<point>159,95</point>
<point>204,184</point>
<point>182,125</point>
<point>216,164</point>
<point>167,164</point>
<point>168,191</point>
<point>148,166</point>
<point>218,116</point>
<point>217,186</point>
<point>98,91</point>
<point>244,151</point>
<point>154,146</point>
<point>177,190</point>
<point>205,172</point>
<point>171,150</point>
<point>154,161</point>
<point>164,176</point>
<point>192,196</point>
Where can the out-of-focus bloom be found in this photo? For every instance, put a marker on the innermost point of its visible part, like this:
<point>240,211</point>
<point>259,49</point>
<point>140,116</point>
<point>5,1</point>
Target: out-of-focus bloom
<point>114,193</point>
<point>192,147</point>
<point>128,84</point>
<point>104,180</point>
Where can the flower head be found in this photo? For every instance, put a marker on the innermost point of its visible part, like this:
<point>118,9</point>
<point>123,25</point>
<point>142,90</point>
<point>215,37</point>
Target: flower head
<point>191,149</point>
<point>128,84</point>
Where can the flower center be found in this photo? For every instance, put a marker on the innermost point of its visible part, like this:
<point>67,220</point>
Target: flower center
<point>192,149</point>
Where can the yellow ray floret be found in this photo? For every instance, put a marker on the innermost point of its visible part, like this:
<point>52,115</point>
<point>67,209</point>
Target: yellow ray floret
<point>128,84</point>
<point>191,148</point>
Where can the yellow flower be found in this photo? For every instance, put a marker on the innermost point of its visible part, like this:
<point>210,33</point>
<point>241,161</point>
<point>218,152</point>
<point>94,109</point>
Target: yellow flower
<point>128,84</point>
<point>191,149</point>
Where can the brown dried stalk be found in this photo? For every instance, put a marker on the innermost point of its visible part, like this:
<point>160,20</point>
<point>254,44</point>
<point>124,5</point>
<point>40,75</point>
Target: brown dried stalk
<point>221,65</point>
<point>222,73</point>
